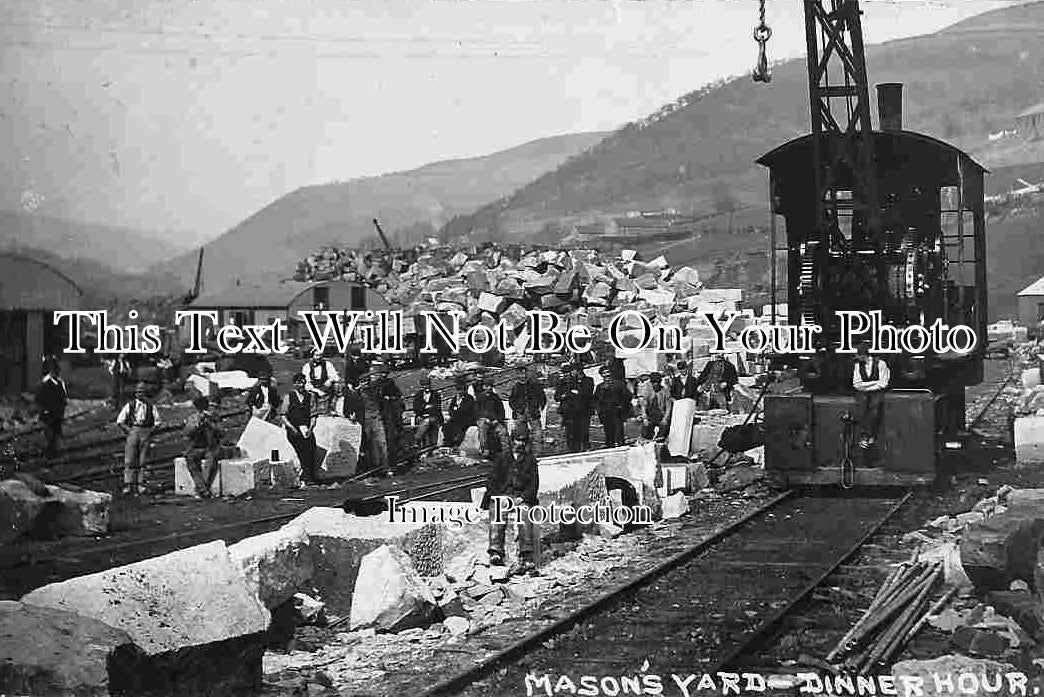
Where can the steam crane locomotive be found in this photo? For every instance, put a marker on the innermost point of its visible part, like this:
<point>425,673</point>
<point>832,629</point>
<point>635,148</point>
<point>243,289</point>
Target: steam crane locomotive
<point>866,220</point>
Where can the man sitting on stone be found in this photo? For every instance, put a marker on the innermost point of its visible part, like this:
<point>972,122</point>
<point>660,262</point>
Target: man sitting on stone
<point>298,418</point>
<point>204,446</point>
<point>427,408</point>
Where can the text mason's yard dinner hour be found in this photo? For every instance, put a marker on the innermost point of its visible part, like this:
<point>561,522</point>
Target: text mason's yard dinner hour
<point>383,332</point>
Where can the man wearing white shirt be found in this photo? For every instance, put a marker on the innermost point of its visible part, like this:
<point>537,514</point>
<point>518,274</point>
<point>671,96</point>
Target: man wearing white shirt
<point>321,379</point>
<point>870,378</point>
<point>138,418</point>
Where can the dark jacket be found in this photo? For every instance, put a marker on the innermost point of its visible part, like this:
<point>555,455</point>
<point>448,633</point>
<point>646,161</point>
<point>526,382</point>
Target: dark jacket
<point>718,371</point>
<point>513,476</point>
<point>354,367</point>
<point>489,406</point>
<point>574,396</point>
<point>612,397</point>
<point>52,398</point>
<point>389,397</point>
<point>527,399</point>
<point>255,398</point>
<point>430,407</point>
<point>298,410</point>
<point>354,407</point>
<point>202,431</point>
<point>684,387</point>
<point>462,415</point>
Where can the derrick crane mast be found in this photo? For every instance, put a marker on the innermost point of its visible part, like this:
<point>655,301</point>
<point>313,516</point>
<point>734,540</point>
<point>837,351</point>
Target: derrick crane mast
<point>889,221</point>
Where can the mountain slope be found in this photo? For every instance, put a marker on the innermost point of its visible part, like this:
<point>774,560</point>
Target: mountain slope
<point>276,237</point>
<point>962,84</point>
<point>121,249</point>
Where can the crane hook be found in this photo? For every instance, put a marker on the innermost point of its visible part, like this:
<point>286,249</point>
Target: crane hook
<point>762,33</point>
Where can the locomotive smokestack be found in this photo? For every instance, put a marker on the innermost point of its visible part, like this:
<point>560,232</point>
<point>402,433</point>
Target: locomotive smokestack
<point>890,105</point>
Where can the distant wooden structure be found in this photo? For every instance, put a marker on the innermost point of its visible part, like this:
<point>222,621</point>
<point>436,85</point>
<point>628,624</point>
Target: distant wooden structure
<point>30,293</point>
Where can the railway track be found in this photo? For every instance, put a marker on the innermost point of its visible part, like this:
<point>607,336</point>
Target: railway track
<point>704,608</point>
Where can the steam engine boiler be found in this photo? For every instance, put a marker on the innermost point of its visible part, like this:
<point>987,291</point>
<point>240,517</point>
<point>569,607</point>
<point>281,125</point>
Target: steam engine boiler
<point>865,219</point>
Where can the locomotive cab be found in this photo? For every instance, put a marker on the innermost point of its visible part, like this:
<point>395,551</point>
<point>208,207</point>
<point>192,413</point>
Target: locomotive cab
<point>923,262</point>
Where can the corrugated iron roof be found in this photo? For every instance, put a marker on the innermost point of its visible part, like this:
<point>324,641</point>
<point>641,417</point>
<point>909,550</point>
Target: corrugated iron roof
<point>1035,288</point>
<point>1035,109</point>
<point>275,294</point>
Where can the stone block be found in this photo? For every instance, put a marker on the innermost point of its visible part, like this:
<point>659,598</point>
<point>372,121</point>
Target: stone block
<point>285,475</point>
<point>939,677</point>
<point>81,513</point>
<point>183,482</point>
<point>1033,498</point>
<point>243,475</point>
<point>1029,439</point>
<point>191,611</point>
<point>1025,608</point>
<point>679,440</point>
<point>232,380</point>
<point>276,564</point>
<point>340,439</point>
<point>1030,378</point>
<point>675,506</point>
<point>1002,548</point>
<point>260,439</point>
<point>389,595</point>
<point>20,509</point>
<point>739,477</point>
<point>44,651</point>
<point>339,541</point>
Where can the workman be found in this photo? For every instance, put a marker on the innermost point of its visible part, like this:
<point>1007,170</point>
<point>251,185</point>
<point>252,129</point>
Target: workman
<point>870,378</point>
<point>391,407</point>
<point>52,398</point>
<point>365,406</point>
<point>427,409</point>
<point>355,365</point>
<point>462,414</point>
<point>655,409</point>
<point>612,401</point>
<point>204,438</point>
<point>263,398</point>
<point>138,418</point>
<point>490,418</point>
<point>515,477</point>
<point>717,381</point>
<point>321,380</point>
<point>120,372</point>
<point>683,385</point>
<point>573,395</point>
<point>527,401</point>
<point>298,417</point>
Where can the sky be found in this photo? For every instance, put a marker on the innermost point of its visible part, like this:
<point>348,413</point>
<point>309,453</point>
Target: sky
<point>188,116</point>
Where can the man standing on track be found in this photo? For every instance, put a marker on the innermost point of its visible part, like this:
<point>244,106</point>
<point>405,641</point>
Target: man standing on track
<point>138,418</point>
<point>613,402</point>
<point>51,400</point>
<point>515,476</point>
<point>527,402</point>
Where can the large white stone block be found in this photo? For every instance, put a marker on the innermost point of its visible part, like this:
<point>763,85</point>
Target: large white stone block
<point>389,595</point>
<point>1029,439</point>
<point>260,439</point>
<point>243,475</point>
<point>276,564</point>
<point>340,440</point>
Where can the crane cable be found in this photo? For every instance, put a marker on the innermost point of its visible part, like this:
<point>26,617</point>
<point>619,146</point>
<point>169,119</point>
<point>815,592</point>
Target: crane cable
<point>762,33</point>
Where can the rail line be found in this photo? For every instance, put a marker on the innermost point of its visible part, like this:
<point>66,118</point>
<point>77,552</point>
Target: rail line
<point>738,583</point>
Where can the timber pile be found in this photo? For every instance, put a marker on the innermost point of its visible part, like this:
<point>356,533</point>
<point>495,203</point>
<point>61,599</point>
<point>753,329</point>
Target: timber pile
<point>502,284</point>
<point>897,613</point>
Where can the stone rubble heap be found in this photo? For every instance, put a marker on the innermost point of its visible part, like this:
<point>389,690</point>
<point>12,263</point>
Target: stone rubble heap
<point>992,561</point>
<point>494,284</point>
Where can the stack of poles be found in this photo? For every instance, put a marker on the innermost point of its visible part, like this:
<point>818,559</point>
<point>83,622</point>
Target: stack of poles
<point>895,616</point>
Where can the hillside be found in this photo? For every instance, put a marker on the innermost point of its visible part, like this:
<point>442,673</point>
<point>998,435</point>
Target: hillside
<point>963,83</point>
<point>414,203</point>
<point>120,249</point>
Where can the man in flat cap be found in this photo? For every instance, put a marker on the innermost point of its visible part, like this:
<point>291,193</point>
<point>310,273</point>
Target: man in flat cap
<point>138,418</point>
